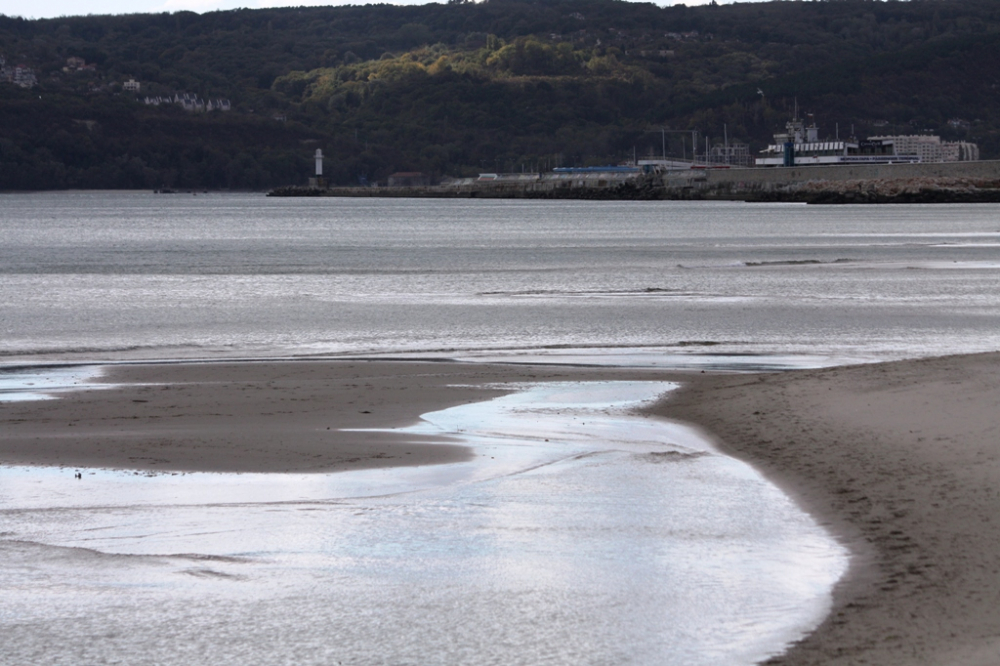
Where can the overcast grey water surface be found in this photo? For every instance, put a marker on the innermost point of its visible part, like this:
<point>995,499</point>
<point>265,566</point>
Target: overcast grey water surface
<point>136,275</point>
<point>578,534</point>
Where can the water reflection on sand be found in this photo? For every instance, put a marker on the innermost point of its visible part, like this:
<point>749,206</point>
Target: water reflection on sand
<point>579,535</point>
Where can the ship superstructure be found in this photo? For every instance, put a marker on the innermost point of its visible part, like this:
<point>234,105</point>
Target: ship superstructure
<point>799,145</point>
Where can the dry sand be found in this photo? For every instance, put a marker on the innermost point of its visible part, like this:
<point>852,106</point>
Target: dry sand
<point>901,461</point>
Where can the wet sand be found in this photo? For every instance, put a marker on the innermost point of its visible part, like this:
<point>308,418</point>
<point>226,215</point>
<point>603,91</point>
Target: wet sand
<point>261,417</point>
<point>902,462</point>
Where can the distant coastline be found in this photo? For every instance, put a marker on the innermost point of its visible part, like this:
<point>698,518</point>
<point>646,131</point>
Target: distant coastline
<point>955,182</point>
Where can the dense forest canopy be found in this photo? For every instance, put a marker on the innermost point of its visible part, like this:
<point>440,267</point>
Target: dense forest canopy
<point>465,87</point>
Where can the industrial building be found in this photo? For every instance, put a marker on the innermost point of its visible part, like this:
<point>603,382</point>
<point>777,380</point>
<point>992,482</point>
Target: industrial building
<point>800,145</point>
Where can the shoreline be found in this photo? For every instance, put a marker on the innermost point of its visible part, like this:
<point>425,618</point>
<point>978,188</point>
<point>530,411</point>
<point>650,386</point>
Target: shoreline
<point>271,416</point>
<point>901,462</point>
<point>597,525</point>
<point>859,192</point>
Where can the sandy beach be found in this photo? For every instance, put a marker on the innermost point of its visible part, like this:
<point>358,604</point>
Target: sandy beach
<point>902,462</point>
<point>898,460</point>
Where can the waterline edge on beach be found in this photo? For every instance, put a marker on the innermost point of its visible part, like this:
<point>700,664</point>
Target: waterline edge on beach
<point>900,461</point>
<point>207,381</point>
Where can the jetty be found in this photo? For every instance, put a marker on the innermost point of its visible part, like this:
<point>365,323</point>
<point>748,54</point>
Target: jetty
<point>937,182</point>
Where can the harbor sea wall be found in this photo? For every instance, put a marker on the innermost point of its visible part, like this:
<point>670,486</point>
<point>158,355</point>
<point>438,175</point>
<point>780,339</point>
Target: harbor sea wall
<point>863,183</point>
<point>938,182</point>
<point>765,178</point>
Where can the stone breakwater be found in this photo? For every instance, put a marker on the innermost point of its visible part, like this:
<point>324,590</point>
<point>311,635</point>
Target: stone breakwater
<point>944,182</point>
<point>640,187</point>
<point>886,190</point>
<point>956,182</point>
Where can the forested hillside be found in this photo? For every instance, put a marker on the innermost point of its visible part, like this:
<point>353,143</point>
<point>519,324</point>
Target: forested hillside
<point>467,87</point>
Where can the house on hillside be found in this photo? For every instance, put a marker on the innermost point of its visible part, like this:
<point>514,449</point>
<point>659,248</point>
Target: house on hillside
<point>22,75</point>
<point>189,102</point>
<point>25,77</point>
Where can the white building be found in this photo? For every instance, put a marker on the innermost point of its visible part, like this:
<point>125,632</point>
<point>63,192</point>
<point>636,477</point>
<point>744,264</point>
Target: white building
<point>190,102</point>
<point>132,85</point>
<point>24,77</point>
<point>932,148</point>
<point>800,145</point>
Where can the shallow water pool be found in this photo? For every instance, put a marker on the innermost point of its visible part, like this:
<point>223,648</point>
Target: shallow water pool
<point>579,534</point>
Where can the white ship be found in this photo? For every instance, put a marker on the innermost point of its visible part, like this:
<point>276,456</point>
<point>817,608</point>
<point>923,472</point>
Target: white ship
<point>799,145</point>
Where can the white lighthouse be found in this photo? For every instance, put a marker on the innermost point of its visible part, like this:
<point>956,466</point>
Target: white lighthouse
<point>318,181</point>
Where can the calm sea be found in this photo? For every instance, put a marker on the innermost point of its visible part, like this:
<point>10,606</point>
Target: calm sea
<point>580,535</point>
<point>122,276</point>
